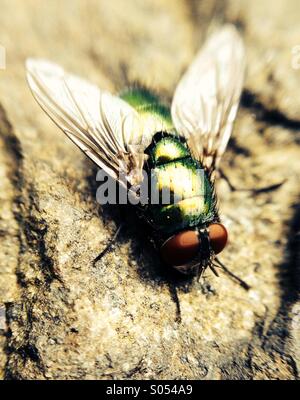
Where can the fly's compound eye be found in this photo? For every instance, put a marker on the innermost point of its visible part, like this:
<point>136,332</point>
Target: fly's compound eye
<point>181,248</point>
<point>217,237</point>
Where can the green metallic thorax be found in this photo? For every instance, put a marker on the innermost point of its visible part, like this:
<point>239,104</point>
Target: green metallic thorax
<point>172,167</point>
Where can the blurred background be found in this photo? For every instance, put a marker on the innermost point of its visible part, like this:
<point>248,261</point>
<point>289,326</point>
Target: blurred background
<point>62,317</point>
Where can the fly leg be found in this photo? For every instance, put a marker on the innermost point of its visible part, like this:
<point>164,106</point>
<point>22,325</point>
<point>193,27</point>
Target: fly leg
<point>175,298</point>
<point>214,270</point>
<point>227,180</point>
<point>108,246</point>
<point>264,189</point>
<point>200,273</point>
<point>234,277</point>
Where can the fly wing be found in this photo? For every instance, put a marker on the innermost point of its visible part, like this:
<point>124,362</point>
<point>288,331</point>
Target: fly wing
<point>99,123</point>
<point>206,99</point>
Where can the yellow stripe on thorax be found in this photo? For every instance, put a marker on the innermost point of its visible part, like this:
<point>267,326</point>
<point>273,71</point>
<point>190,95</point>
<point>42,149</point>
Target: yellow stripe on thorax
<point>179,179</point>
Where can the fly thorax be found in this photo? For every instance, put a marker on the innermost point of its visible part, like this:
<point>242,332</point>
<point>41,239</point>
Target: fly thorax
<point>180,191</point>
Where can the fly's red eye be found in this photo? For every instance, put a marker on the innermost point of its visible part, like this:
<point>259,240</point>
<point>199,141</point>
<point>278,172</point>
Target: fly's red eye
<point>180,248</point>
<point>218,237</point>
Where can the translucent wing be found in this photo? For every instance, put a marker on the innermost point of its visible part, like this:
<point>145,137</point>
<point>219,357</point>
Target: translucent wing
<point>206,99</point>
<point>100,124</point>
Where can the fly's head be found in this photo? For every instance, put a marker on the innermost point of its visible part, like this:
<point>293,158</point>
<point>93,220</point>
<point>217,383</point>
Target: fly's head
<point>193,248</point>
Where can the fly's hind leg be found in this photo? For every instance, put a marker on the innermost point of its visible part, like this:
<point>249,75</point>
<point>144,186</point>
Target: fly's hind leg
<point>264,189</point>
<point>108,246</point>
<point>231,275</point>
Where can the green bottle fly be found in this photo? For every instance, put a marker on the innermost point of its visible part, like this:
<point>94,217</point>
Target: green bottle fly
<point>178,149</point>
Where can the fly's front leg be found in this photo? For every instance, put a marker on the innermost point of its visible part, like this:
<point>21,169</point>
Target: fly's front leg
<point>264,189</point>
<point>175,298</point>
<point>200,273</point>
<point>108,246</point>
<point>234,277</point>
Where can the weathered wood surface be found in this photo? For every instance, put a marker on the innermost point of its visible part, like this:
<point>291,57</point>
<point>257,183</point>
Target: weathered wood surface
<point>65,318</point>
